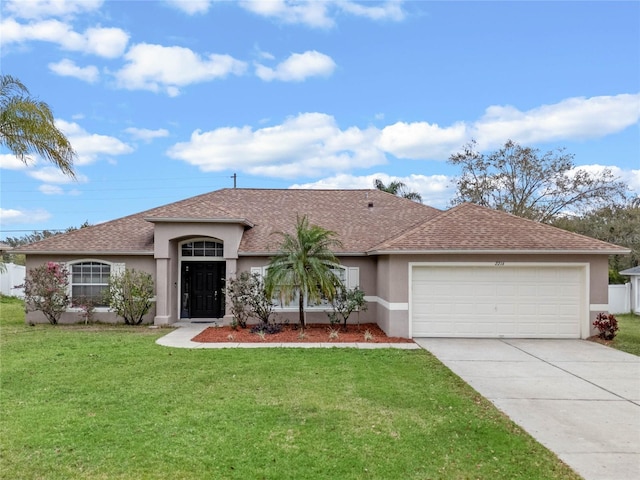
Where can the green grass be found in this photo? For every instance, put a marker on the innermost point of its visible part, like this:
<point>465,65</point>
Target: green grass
<point>105,402</point>
<point>628,337</point>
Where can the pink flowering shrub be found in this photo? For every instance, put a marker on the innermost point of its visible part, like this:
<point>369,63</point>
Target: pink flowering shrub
<point>46,289</point>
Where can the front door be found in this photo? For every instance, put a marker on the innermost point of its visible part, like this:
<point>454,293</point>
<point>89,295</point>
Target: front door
<point>202,292</point>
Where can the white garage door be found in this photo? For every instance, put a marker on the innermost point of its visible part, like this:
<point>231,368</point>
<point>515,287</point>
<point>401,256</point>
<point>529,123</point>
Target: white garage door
<point>497,301</point>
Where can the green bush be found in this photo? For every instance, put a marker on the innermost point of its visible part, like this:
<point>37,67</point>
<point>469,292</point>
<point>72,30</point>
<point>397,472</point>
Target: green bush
<point>130,295</point>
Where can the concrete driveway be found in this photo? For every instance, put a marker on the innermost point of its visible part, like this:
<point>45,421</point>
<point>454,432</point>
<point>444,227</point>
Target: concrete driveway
<point>579,399</point>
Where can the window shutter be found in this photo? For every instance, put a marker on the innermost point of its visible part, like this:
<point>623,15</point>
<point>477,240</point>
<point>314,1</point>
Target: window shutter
<point>353,277</point>
<point>257,270</point>
<point>117,269</point>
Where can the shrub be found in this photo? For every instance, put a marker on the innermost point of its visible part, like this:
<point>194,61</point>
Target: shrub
<point>130,295</point>
<point>249,299</point>
<point>266,328</point>
<point>344,303</point>
<point>87,308</point>
<point>607,324</point>
<point>46,289</point>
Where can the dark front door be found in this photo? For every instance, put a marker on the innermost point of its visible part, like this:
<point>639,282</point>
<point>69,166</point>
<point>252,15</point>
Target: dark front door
<point>202,293</point>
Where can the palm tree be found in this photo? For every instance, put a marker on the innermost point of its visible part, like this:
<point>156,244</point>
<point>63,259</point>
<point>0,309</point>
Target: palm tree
<point>27,126</point>
<point>398,188</point>
<point>303,265</point>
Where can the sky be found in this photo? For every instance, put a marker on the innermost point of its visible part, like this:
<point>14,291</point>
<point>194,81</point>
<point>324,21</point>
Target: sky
<point>164,100</point>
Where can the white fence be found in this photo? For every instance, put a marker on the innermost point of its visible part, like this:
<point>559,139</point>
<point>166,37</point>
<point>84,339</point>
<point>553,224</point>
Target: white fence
<point>620,298</point>
<point>11,276</point>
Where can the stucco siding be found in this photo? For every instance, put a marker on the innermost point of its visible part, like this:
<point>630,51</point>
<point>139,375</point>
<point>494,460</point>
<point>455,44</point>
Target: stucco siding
<point>141,263</point>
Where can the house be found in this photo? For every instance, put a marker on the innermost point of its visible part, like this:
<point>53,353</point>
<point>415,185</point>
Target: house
<point>465,272</point>
<point>634,280</point>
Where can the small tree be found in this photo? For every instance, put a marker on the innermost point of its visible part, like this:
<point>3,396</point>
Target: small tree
<point>249,299</point>
<point>345,302</point>
<point>130,295</point>
<point>46,289</point>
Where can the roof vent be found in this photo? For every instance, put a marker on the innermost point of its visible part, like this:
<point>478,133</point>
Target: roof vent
<point>370,205</point>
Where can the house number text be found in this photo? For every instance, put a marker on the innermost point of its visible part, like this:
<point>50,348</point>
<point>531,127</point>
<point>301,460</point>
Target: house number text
<point>499,264</point>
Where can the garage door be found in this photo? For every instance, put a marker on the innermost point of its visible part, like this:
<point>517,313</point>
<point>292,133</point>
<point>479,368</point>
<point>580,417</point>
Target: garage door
<point>497,301</point>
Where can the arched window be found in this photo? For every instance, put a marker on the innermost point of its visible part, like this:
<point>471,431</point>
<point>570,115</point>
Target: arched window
<point>202,248</point>
<point>89,280</point>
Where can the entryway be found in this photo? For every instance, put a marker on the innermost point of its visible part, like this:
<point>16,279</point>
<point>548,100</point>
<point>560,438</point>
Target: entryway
<point>202,289</point>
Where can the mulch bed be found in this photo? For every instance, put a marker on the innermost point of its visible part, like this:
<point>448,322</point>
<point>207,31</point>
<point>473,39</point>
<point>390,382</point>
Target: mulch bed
<point>313,333</point>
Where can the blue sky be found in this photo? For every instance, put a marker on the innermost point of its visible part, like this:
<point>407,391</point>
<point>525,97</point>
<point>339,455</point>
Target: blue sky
<point>164,100</point>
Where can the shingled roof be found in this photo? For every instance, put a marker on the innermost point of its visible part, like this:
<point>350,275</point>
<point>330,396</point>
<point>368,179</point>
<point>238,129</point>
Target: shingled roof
<point>361,218</point>
<point>366,221</point>
<point>469,227</point>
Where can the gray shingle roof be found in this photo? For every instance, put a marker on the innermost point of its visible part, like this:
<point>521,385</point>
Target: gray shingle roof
<point>365,221</point>
<point>631,271</point>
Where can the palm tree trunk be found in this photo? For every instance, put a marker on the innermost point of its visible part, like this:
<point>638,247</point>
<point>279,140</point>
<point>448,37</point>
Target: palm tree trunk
<point>301,305</point>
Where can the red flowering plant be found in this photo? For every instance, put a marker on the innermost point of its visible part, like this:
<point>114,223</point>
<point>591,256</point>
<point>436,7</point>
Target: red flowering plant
<point>46,289</point>
<point>607,325</point>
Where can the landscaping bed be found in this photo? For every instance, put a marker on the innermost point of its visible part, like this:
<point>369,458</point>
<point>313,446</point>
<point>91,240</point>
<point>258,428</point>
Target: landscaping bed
<point>313,333</point>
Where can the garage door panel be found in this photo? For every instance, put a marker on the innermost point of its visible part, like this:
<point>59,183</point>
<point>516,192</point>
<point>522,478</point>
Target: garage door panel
<point>483,301</point>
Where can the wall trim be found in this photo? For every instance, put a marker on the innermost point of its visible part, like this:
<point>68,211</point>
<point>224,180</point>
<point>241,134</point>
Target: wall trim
<point>398,306</point>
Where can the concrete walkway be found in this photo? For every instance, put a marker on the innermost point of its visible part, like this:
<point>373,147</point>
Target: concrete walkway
<point>579,399</point>
<point>181,338</point>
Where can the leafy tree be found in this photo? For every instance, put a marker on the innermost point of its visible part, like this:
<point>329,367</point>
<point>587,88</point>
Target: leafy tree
<point>32,237</point>
<point>618,224</point>
<point>345,302</point>
<point>303,265</point>
<point>27,126</point>
<point>45,289</point>
<point>130,295</point>
<point>398,188</point>
<point>530,184</point>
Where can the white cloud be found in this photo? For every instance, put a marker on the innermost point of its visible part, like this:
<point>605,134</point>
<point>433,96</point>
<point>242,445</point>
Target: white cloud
<point>191,7</point>
<point>312,144</point>
<point>146,134</point>
<point>50,8</point>
<point>320,14</point>
<point>104,42</point>
<point>313,14</point>
<point>67,68</point>
<point>51,189</point>
<point>630,177</point>
<point>90,146</point>
<point>571,119</point>
<point>51,174</point>
<point>390,10</point>
<point>306,145</point>
<point>298,67</point>
<point>436,190</point>
<point>9,216</point>
<point>158,68</point>
<point>11,162</point>
<point>422,140</point>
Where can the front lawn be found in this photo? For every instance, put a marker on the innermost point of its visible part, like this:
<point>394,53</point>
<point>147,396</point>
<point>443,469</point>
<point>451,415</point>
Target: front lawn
<point>628,337</point>
<point>105,402</point>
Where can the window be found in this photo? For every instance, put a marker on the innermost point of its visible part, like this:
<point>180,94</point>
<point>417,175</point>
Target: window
<point>89,280</point>
<point>350,277</point>
<point>202,248</point>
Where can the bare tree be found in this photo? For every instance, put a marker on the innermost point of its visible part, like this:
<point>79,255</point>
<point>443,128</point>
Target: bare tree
<point>530,184</point>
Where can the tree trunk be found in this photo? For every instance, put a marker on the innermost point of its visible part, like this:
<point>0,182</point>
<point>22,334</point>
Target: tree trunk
<point>301,305</point>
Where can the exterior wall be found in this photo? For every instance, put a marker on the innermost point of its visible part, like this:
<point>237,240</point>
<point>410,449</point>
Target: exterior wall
<point>393,283</point>
<point>167,238</point>
<point>368,283</point>
<point>142,263</point>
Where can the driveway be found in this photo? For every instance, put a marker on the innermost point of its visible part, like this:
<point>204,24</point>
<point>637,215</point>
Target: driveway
<point>579,399</point>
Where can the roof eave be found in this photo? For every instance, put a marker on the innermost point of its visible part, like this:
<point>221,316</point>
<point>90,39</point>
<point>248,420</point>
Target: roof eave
<point>85,252</point>
<point>502,251</point>
<point>241,221</point>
